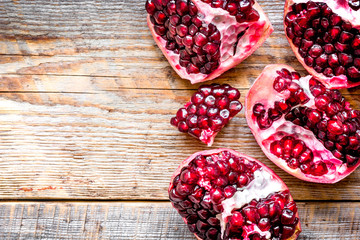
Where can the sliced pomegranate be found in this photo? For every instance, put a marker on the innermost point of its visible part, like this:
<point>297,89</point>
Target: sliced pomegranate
<point>325,37</point>
<point>202,39</point>
<point>223,194</point>
<point>306,129</point>
<point>208,111</point>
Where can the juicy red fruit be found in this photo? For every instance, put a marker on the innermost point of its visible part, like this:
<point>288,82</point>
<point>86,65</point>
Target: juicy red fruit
<point>315,137</point>
<point>193,44</point>
<point>209,207</point>
<point>208,111</point>
<point>326,39</point>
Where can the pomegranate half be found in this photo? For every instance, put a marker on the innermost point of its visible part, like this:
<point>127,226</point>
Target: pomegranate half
<point>306,129</point>
<point>325,37</point>
<point>223,194</point>
<point>202,39</point>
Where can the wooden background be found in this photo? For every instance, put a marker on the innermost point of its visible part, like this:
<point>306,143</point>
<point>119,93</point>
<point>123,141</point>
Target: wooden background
<point>86,148</point>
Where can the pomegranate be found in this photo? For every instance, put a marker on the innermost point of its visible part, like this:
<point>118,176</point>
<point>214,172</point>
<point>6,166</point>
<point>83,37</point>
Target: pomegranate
<point>202,39</point>
<point>208,111</point>
<point>324,36</point>
<point>306,129</point>
<point>223,194</point>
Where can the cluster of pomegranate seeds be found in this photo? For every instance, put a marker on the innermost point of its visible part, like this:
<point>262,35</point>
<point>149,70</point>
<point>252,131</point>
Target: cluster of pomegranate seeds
<point>275,213</point>
<point>241,9</point>
<point>297,155</point>
<point>209,110</point>
<point>334,124</point>
<point>331,120</point>
<point>283,81</point>
<point>327,44</point>
<point>200,188</point>
<point>186,34</point>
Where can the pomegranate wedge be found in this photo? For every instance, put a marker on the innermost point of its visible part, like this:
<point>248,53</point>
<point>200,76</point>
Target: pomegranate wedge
<point>306,129</point>
<point>208,111</point>
<point>325,37</point>
<point>223,194</point>
<point>202,39</point>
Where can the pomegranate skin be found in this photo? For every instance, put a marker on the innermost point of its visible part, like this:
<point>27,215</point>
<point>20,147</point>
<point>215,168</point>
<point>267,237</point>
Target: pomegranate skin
<point>347,14</point>
<point>255,35</point>
<point>263,92</point>
<point>275,178</point>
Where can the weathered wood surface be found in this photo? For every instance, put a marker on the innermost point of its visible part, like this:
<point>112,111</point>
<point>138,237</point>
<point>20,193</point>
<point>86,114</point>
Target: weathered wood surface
<point>86,97</point>
<point>85,101</point>
<point>152,221</point>
<point>116,145</point>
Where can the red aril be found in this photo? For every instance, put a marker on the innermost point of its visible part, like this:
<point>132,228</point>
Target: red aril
<point>325,38</point>
<point>208,111</point>
<point>202,39</point>
<point>316,137</point>
<point>262,208</point>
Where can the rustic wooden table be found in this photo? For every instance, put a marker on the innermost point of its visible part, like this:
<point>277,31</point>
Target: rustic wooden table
<point>86,148</point>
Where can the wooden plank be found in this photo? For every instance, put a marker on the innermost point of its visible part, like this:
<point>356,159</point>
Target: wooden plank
<point>143,220</point>
<point>71,94</point>
<point>116,145</point>
<point>110,38</point>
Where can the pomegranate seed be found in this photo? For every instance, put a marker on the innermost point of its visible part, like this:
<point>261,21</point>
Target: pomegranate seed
<point>212,233</point>
<point>182,7</point>
<point>222,102</point>
<point>234,108</point>
<point>345,59</point>
<point>200,39</point>
<point>274,209</point>
<point>263,210</point>
<point>229,191</point>
<point>306,156</point>
<point>264,224</point>
<point>315,51</point>
<point>216,195</point>
<point>322,101</point>
<point>354,4</point>
<point>335,127</point>
<point>242,180</point>
<point>184,189</point>
<point>233,94</point>
<point>259,109</point>
<point>287,217</point>
<point>213,221</point>
<point>233,177</point>
<point>251,214</point>
<point>356,42</point>
<point>236,220</point>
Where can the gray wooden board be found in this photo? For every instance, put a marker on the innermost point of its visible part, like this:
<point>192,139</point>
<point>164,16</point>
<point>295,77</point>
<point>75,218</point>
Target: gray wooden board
<point>150,220</point>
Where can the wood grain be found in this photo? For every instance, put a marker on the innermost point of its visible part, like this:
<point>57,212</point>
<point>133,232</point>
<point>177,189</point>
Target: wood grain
<point>85,102</point>
<point>116,145</point>
<point>152,221</point>
<point>86,96</point>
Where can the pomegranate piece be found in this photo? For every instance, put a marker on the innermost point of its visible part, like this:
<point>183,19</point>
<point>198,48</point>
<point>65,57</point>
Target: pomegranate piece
<point>262,208</point>
<point>316,137</point>
<point>325,38</point>
<point>208,111</point>
<point>202,39</point>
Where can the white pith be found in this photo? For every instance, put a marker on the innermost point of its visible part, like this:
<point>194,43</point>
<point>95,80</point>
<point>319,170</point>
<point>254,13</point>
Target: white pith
<point>262,185</point>
<point>229,28</point>
<point>266,95</point>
